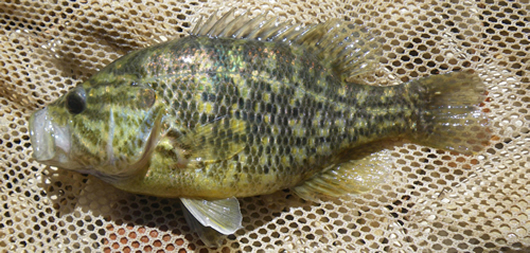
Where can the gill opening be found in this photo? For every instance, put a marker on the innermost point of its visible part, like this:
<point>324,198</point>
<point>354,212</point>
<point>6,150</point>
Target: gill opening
<point>110,151</point>
<point>154,137</point>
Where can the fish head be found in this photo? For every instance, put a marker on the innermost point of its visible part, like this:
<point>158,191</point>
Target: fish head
<point>106,126</point>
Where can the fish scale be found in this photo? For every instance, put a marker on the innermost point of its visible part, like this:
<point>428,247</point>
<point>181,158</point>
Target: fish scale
<point>210,118</point>
<point>292,95</point>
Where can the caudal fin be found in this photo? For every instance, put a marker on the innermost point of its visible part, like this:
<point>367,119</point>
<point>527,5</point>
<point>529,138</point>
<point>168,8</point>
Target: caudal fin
<point>451,118</point>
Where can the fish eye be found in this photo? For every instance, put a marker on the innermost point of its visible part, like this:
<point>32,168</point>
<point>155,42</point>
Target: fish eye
<point>76,101</point>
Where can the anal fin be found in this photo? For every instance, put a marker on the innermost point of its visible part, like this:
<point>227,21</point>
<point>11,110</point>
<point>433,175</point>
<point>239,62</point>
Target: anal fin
<point>353,176</point>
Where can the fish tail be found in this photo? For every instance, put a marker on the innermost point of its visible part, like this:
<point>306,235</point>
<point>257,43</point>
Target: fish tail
<point>450,117</point>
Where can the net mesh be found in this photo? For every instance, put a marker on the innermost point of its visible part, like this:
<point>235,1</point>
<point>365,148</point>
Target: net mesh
<point>433,201</point>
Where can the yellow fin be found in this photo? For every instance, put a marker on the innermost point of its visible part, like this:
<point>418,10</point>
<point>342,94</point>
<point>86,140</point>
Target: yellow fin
<point>452,119</point>
<point>350,50</point>
<point>353,176</point>
<point>209,236</point>
<point>215,141</point>
<point>223,215</point>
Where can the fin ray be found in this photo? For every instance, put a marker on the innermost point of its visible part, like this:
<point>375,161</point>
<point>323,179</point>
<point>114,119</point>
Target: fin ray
<point>243,31</point>
<point>348,49</point>
<point>215,141</point>
<point>209,236</point>
<point>221,24</point>
<point>452,119</point>
<point>223,215</point>
<point>229,29</point>
<point>350,177</point>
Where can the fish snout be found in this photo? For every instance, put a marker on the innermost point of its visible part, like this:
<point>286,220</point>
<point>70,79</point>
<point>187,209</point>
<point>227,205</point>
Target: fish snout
<point>47,138</point>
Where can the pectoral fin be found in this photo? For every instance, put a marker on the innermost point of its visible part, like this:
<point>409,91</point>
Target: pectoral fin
<point>209,236</point>
<point>215,141</point>
<point>222,215</point>
<point>354,176</point>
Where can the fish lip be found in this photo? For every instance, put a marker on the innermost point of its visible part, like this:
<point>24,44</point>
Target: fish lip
<point>41,136</point>
<point>50,142</point>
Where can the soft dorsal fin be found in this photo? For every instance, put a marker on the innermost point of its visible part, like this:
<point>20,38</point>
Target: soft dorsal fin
<point>348,49</point>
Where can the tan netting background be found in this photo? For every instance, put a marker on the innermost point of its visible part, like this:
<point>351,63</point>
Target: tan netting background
<point>433,201</point>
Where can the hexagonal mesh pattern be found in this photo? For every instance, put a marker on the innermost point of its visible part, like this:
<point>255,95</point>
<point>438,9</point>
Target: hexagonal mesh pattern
<point>433,201</point>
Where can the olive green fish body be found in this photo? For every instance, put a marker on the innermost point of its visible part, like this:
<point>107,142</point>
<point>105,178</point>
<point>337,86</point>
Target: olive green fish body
<point>296,116</point>
<point>215,117</point>
<point>232,111</point>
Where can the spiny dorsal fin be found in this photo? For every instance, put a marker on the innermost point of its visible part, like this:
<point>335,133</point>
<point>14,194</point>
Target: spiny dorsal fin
<point>348,49</point>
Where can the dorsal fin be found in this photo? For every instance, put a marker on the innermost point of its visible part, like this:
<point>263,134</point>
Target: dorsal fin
<point>348,49</point>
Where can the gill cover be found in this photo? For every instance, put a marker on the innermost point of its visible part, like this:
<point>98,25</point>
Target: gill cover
<point>131,126</point>
<point>106,127</point>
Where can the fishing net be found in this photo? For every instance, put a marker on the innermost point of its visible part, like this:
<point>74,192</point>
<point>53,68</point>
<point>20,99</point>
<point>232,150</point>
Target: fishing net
<point>433,200</point>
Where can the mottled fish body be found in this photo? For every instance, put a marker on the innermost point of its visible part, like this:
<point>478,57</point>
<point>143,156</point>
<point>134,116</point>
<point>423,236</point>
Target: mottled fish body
<point>262,116</point>
<point>232,112</point>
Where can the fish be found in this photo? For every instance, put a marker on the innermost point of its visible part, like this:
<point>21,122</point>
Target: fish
<point>249,106</point>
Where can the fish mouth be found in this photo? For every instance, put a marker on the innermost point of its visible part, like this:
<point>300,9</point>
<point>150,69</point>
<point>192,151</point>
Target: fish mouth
<point>50,142</point>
